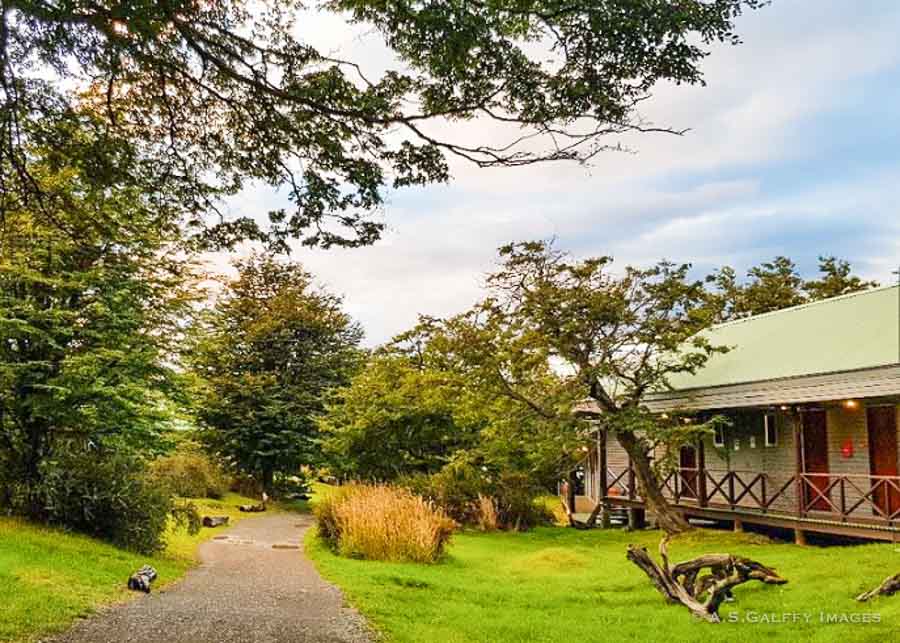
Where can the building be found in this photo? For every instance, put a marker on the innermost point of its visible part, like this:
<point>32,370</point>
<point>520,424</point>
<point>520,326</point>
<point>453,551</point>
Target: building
<point>812,393</point>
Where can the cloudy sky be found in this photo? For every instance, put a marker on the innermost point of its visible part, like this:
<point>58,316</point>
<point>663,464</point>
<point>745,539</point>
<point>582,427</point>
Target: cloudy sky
<point>794,149</point>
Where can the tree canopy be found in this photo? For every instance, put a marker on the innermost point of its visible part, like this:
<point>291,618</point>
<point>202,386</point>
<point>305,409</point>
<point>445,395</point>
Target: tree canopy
<point>92,293</point>
<point>777,284</point>
<point>211,95</point>
<point>265,355</point>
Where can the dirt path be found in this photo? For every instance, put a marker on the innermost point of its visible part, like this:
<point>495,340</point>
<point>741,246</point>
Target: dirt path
<point>244,591</point>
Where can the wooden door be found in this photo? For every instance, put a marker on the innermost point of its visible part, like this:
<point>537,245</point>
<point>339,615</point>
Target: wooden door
<point>882,426</point>
<point>815,461</point>
<point>688,462</point>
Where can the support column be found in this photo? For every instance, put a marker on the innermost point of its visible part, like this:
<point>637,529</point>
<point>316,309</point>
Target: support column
<point>800,537</point>
<point>604,482</point>
<point>738,526</point>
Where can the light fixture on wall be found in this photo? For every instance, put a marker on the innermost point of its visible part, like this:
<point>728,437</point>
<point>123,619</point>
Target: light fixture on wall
<point>851,405</point>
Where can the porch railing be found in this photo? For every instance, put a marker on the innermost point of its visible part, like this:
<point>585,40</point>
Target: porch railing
<point>842,496</point>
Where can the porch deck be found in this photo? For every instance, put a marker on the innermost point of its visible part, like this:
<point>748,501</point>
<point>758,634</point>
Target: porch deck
<point>865,506</point>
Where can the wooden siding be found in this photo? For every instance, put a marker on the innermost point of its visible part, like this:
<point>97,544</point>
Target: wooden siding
<point>747,466</point>
<point>866,383</point>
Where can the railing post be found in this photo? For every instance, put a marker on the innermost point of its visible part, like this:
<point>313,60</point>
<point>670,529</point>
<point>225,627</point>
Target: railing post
<point>843,500</point>
<point>701,474</point>
<point>731,502</point>
<point>762,484</point>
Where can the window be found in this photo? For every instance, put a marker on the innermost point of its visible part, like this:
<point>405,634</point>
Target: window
<point>771,430</point>
<point>719,437</point>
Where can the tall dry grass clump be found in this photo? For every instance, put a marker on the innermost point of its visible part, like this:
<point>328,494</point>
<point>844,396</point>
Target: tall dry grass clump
<point>381,522</point>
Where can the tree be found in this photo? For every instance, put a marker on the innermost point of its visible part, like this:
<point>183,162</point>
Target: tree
<point>773,285</point>
<point>210,95</point>
<point>836,279</point>
<point>266,354</point>
<point>396,418</point>
<point>618,337</point>
<point>93,289</point>
<point>778,284</point>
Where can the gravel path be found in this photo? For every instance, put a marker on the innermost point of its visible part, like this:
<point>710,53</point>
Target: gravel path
<point>245,591</point>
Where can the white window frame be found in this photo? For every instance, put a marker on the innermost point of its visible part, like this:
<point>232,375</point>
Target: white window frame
<point>719,437</point>
<point>769,422</point>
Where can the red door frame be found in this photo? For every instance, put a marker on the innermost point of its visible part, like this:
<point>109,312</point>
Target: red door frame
<point>882,438</point>
<point>813,453</point>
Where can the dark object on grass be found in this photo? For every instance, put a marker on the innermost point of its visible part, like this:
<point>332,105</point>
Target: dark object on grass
<point>256,508</point>
<point>684,583</point>
<point>141,579</point>
<point>889,586</point>
<point>215,521</point>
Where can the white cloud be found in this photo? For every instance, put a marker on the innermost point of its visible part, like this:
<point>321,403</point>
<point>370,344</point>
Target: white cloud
<point>800,60</point>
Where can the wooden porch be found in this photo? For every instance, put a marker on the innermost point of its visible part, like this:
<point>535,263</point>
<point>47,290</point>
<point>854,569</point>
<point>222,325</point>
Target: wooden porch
<point>866,506</point>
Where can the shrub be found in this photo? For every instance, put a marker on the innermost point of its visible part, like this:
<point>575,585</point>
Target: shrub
<point>455,489</point>
<point>460,489</point>
<point>518,503</point>
<point>108,495</point>
<point>190,474</point>
<point>380,522</point>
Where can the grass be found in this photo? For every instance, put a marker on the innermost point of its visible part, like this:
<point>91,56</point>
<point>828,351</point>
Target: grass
<point>49,577</point>
<point>555,584</point>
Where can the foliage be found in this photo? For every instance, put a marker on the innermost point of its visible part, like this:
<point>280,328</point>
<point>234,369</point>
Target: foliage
<point>554,330</point>
<point>189,473</point>
<point>107,495</point>
<point>396,417</point>
<point>461,490</point>
<point>574,585</point>
<point>381,522</point>
<point>264,358</point>
<point>209,96</point>
<point>778,284</point>
<point>93,289</point>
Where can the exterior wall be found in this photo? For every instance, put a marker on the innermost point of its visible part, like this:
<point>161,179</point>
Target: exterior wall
<point>746,458</point>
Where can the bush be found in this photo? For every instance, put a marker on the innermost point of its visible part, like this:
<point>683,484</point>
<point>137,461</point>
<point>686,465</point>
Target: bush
<point>190,474</point>
<point>518,502</point>
<point>455,489</point>
<point>109,496</point>
<point>462,491</point>
<point>380,522</point>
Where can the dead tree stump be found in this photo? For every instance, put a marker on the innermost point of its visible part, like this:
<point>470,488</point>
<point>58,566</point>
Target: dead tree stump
<point>141,579</point>
<point>702,593</point>
<point>889,586</point>
<point>215,521</point>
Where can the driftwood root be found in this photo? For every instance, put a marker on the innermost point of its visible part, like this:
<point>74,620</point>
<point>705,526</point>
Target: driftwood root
<point>701,584</point>
<point>888,587</point>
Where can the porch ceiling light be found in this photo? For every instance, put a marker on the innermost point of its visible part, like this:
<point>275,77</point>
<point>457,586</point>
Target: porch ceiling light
<point>851,404</point>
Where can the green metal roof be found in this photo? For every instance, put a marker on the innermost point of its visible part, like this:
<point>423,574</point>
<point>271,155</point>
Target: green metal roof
<point>845,333</point>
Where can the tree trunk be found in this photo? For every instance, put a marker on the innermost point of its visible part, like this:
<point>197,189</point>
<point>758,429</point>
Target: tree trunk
<point>268,479</point>
<point>668,518</point>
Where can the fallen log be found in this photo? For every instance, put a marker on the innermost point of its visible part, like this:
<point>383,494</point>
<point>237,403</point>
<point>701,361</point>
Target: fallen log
<point>687,584</point>
<point>141,579</point>
<point>215,521</point>
<point>888,587</point>
<point>255,508</point>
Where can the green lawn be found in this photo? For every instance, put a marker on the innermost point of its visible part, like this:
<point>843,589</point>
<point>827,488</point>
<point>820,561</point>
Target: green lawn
<point>556,584</point>
<point>49,577</point>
